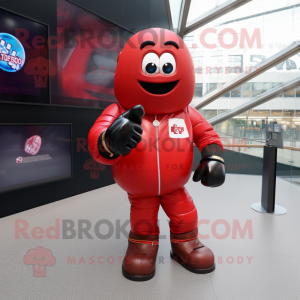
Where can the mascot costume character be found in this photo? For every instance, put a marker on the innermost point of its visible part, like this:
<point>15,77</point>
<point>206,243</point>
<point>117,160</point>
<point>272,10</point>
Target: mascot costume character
<point>147,138</point>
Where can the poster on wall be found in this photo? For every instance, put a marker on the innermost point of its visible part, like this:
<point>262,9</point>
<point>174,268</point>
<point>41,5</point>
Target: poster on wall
<point>34,154</point>
<point>277,128</point>
<point>87,51</point>
<point>24,61</point>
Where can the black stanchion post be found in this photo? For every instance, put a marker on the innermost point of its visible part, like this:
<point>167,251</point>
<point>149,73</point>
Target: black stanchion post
<point>269,179</point>
<point>268,191</point>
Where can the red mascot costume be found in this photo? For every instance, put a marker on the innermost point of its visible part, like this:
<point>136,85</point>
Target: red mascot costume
<point>147,138</point>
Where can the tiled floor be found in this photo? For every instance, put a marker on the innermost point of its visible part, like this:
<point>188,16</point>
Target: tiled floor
<point>265,266</point>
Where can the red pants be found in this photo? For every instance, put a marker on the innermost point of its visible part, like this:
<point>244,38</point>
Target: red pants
<point>178,206</point>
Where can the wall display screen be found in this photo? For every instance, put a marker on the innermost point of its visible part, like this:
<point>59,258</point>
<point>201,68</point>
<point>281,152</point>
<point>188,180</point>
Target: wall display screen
<point>34,154</point>
<point>87,51</point>
<point>24,63</point>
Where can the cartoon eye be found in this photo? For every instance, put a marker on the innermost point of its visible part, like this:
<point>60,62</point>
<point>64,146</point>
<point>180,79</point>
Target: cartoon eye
<point>167,64</point>
<point>150,65</point>
<point>35,258</point>
<point>43,258</point>
<point>44,68</point>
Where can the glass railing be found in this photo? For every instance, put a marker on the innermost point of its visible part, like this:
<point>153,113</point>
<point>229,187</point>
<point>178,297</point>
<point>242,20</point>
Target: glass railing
<point>291,136</point>
<point>245,156</point>
<point>198,8</point>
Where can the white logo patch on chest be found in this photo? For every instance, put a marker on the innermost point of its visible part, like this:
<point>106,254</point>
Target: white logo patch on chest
<point>177,129</point>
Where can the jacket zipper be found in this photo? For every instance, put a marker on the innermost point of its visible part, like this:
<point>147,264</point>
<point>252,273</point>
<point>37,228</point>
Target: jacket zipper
<point>156,124</point>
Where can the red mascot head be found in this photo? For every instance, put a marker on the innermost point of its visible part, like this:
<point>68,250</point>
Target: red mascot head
<point>155,69</point>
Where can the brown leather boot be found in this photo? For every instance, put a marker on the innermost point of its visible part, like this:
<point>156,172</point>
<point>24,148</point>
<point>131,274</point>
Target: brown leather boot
<point>188,251</point>
<point>140,258</point>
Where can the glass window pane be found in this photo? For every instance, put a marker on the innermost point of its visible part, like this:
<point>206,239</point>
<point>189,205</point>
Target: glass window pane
<point>208,114</point>
<point>275,28</point>
<point>235,64</point>
<point>276,113</point>
<point>237,92</point>
<point>275,84</point>
<point>227,95</point>
<point>245,114</point>
<point>254,113</point>
<point>260,88</point>
<point>256,59</point>
<point>211,86</point>
<point>175,6</point>
<point>198,70</point>
<point>198,90</point>
<point>198,8</point>
<point>287,65</point>
<point>188,38</point>
<point>298,92</point>
<point>247,87</point>
<point>290,93</point>
<point>220,111</point>
<point>264,113</point>
<point>198,63</point>
<point>216,64</point>
<point>288,113</point>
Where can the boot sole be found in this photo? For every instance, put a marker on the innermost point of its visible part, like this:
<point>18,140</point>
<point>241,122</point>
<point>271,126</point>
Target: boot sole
<point>189,268</point>
<point>138,277</point>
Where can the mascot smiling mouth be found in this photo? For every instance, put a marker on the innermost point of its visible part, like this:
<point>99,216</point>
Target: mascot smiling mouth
<point>158,88</point>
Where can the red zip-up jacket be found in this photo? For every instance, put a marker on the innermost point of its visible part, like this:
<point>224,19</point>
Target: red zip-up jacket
<point>163,161</point>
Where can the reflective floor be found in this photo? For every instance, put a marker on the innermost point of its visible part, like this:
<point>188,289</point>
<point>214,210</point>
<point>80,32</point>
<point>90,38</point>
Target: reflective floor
<point>257,255</point>
<point>292,179</point>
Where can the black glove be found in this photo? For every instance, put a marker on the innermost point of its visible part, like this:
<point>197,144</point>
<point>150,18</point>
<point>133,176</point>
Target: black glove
<point>124,133</point>
<point>211,170</point>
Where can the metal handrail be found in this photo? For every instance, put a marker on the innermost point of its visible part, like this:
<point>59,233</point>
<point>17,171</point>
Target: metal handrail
<point>258,146</point>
